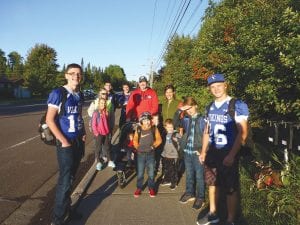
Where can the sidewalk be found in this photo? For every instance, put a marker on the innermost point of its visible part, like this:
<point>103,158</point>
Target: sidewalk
<point>105,203</point>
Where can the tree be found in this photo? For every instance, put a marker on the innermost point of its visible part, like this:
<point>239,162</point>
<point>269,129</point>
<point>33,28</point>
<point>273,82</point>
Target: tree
<point>2,62</point>
<point>116,76</point>
<point>15,64</point>
<point>41,69</point>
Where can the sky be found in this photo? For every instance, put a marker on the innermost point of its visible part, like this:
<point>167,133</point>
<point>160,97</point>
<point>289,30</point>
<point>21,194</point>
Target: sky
<point>129,33</point>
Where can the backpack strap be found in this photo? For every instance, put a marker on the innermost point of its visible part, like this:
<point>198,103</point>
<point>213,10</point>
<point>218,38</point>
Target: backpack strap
<point>231,108</point>
<point>207,108</point>
<point>64,94</point>
<point>175,143</point>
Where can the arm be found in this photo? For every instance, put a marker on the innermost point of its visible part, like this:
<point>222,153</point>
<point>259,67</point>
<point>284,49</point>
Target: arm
<point>50,120</point>
<point>129,107</point>
<point>135,140</point>
<point>176,119</point>
<point>154,103</point>
<point>158,139</point>
<point>91,108</point>
<point>205,142</point>
<point>94,124</point>
<point>242,129</point>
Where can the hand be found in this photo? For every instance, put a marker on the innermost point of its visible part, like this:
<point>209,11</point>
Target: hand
<point>228,160</point>
<point>65,144</point>
<point>185,107</point>
<point>202,157</point>
<point>84,138</point>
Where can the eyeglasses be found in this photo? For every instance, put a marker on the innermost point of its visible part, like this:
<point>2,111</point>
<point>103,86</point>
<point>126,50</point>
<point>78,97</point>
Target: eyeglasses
<point>103,93</point>
<point>74,74</point>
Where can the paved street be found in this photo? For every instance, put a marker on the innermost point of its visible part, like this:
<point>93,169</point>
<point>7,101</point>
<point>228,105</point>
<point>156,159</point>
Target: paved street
<point>28,166</point>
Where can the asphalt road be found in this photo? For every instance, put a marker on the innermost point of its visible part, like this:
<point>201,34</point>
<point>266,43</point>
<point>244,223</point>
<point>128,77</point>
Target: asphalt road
<point>26,163</point>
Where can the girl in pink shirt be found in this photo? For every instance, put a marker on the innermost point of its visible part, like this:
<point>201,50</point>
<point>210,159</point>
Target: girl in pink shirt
<point>101,130</point>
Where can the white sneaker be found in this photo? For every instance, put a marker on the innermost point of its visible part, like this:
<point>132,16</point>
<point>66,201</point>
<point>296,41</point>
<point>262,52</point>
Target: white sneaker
<point>104,159</point>
<point>99,166</point>
<point>111,164</point>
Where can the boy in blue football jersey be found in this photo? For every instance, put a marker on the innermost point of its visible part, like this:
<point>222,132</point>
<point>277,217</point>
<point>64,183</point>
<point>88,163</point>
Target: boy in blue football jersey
<point>222,140</point>
<point>68,128</point>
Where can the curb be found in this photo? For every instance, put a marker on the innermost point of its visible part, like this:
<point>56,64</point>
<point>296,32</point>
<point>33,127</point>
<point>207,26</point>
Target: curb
<point>82,186</point>
<point>84,183</point>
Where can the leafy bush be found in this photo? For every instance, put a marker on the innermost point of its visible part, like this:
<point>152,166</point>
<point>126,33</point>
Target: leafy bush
<point>278,206</point>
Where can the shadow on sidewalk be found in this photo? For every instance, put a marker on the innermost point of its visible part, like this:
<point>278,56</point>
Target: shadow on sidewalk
<point>91,203</point>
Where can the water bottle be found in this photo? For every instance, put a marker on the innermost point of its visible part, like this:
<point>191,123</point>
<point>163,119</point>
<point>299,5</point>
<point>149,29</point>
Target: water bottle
<point>47,132</point>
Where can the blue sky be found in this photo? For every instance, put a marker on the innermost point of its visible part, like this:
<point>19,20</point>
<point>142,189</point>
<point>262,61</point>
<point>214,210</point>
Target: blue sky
<point>128,33</point>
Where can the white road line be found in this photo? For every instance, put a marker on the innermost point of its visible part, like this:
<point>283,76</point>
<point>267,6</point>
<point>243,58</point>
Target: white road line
<point>21,143</point>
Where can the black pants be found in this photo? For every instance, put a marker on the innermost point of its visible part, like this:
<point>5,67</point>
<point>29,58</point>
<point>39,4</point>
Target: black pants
<point>102,147</point>
<point>170,170</point>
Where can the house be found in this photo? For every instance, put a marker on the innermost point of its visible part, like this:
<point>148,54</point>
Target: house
<point>12,87</point>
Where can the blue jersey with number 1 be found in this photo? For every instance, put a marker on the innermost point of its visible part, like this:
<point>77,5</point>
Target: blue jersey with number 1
<point>222,128</point>
<point>71,122</point>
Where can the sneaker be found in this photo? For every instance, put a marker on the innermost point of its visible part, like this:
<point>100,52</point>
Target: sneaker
<point>198,203</point>
<point>104,159</point>
<point>186,198</point>
<point>137,193</point>
<point>173,187</point>
<point>165,183</point>
<point>151,192</point>
<point>111,164</point>
<point>209,219</point>
<point>99,166</point>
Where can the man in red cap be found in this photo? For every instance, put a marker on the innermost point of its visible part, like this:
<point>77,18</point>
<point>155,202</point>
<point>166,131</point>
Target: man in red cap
<point>143,99</point>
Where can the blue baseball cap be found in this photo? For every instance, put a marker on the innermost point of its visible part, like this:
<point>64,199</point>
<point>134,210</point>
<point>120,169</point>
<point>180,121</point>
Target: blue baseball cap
<point>215,78</point>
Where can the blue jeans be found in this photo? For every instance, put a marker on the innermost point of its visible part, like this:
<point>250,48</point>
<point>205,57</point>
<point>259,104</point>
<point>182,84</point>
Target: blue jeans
<point>194,176</point>
<point>145,160</point>
<point>68,162</point>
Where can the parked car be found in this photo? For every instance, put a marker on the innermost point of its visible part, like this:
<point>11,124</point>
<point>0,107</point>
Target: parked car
<point>89,94</point>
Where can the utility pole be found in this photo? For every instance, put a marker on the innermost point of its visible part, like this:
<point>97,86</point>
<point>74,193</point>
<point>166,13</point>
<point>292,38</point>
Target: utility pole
<point>151,74</point>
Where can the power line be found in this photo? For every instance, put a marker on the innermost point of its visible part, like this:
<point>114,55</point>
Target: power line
<point>172,33</point>
<point>193,14</point>
<point>150,43</point>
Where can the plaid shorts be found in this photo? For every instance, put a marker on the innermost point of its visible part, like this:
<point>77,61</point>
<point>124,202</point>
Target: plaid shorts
<point>216,174</point>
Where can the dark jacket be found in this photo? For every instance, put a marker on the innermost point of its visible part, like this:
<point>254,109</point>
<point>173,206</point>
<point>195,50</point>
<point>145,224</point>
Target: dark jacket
<point>199,128</point>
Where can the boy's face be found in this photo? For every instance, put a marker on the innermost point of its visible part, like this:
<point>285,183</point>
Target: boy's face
<point>218,89</point>
<point>125,88</point>
<point>169,128</point>
<point>192,110</point>
<point>107,86</point>
<point>73,76</point>
<point>146,123</point>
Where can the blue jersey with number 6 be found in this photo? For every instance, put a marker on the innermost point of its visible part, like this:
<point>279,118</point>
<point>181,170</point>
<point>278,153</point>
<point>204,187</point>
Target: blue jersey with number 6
<point>222,128</point>
<point>71,122</point>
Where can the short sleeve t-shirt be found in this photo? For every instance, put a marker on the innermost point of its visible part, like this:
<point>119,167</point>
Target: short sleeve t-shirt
<point>71,123</point>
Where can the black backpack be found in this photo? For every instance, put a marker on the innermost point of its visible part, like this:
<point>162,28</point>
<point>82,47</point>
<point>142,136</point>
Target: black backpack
<point>45,133</point>
<point>246,149</point>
